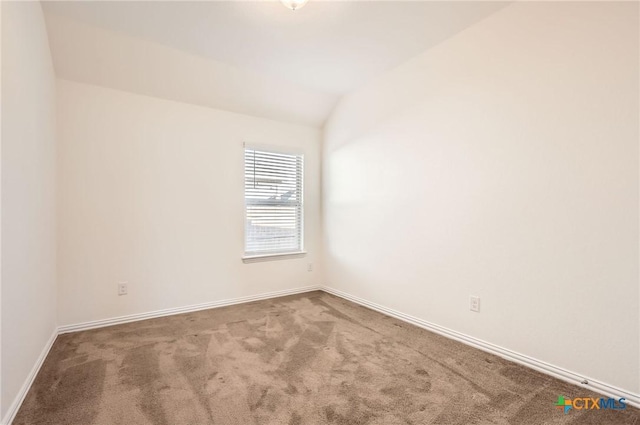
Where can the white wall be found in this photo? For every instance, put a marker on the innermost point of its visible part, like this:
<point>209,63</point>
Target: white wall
<point>151,192</point>
<point>93,55</point>
<point>503,163</point>
<point>28,195</point>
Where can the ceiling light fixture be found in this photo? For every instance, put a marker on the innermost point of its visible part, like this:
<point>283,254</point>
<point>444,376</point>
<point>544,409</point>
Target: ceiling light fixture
<point>294,4</point>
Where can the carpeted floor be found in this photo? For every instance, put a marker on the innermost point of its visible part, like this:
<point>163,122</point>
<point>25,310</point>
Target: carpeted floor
<point>304,359</point>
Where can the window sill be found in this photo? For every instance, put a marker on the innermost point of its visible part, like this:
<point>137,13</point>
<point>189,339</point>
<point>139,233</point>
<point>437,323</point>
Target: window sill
<point>272,257</point>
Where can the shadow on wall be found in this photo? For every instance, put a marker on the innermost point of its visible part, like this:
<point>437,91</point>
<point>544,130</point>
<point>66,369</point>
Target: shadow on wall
<point>502,163</point>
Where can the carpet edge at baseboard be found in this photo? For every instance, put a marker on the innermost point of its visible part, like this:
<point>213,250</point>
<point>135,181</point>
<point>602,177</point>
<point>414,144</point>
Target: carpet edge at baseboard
<point>524,360</point>
<point>59,330</point>
<point>94,324</point>
<point>546,368</point>
<point>26,386</point>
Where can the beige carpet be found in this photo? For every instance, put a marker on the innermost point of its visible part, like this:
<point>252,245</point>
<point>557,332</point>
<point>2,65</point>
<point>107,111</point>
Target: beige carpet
<point>305,359</point>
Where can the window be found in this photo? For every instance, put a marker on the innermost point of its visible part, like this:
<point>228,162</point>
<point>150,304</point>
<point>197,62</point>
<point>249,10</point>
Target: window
<point>273,202</point>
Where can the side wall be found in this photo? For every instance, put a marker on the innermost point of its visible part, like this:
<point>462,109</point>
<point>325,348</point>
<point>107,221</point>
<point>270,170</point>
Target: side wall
<point>151,192</point>
<point>503,164</point>
<point>28,196</point>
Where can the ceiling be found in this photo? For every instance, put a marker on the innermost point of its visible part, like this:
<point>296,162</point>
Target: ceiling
<point>257,58</point>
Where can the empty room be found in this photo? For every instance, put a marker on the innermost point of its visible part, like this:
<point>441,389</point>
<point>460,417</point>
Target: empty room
<point>292,212</point>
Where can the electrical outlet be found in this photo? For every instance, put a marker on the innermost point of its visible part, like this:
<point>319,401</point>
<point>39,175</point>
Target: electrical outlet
<point>474,304</point>
<point>122,288</point>
<point>310,267</point>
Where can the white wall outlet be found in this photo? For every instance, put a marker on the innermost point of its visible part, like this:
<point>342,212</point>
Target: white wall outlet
<point>310,267</point>
<point>122,288</point>
<point>474,304</point>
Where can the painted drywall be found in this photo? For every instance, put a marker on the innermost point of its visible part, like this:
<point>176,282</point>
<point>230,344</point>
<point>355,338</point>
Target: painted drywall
<point>331,47</point>
<point>93,55</point>
<point>28,195</point>
<point>151,192</point>
<point>503,164</point>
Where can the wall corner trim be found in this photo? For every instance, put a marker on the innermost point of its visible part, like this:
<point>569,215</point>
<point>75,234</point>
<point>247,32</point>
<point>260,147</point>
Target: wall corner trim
<point>543,367</point>
<point>15,406</point>
<point>17,402</point>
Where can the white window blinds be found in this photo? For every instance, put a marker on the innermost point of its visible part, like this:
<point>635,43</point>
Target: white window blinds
<point>273,202</point>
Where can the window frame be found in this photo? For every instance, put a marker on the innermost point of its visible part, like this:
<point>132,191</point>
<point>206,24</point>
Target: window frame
<point>254,256</point>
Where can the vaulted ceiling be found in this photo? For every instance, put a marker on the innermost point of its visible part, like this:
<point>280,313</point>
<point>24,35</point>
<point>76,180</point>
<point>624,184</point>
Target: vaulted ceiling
<point>256,58</point>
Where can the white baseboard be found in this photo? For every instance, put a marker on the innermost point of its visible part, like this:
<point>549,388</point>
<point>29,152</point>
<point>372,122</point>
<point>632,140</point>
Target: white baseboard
<point>539,365</point>
<point>17,402</point>
<point>179,310</point>
<point>15,406</point>
<point>555,371</point>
